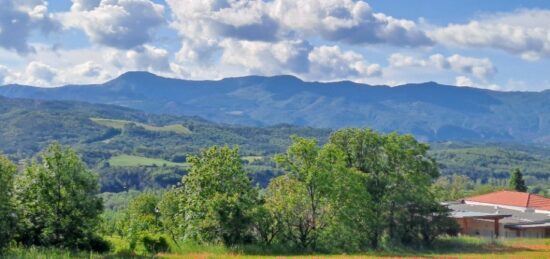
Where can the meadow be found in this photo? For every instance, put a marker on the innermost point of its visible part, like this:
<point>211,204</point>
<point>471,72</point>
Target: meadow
<point>133,161</point>
<point>120,124</point>
<point>450,247</point>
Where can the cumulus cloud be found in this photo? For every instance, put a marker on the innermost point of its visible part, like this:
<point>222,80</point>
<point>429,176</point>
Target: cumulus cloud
<point>147,58</point>
<point>270,37</point>
<point>463,81</point>
<point>245,20</point>
<point>481,68</point>
<point>88,69</point>
<point>5,74</point>
<point>260,20</point>
<point>40,74</point>
<point>267,58</point>
<point>523,32</point>
<point>297,58</point>
<point>19,18</point>
<point>121,24</point>
<point>84,5</point>
<point>349,21</point>
<point>330,63</point>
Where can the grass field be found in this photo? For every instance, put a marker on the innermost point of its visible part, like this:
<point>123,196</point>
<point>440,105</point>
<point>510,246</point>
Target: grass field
<point>133,161</point>
<point>445,248</point>
<point>251,159</point>
<point>119,124</point>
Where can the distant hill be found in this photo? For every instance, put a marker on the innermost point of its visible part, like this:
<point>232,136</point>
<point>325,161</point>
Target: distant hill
<point>135,149</point>
<point>27,126</point>
<point>430,111</point>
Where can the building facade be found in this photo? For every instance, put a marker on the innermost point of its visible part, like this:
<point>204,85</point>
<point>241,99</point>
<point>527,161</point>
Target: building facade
<point>504,214</point>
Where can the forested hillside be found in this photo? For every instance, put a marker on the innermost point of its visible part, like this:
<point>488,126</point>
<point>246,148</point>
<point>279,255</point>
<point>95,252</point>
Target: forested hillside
<point>430,111</point>
<point>137,150</point>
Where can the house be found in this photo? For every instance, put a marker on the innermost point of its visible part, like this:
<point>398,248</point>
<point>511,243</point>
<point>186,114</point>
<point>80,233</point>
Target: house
<point>504,214</point>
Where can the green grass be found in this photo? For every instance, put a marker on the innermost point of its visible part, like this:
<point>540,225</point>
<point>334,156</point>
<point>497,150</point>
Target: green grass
<point>251,159</point>
<point>461,247</point>
<point>47,253</point>
<point>135,161</point>
<point>119,124</point>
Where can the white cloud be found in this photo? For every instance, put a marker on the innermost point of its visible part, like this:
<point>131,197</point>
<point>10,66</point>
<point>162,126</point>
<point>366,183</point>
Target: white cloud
<point>147,58</point>
<point>463,81</point>
<point>18,19</point>
<point>40,74</point>
<point>285,57</point>
<point>88,69</point>
<point>481,68</point>
<point>331,63</point>
<point>122,24</point>
<point>5,75</point>
<point>84,5</point>
<point>348,21</point>
<point>523,32</point>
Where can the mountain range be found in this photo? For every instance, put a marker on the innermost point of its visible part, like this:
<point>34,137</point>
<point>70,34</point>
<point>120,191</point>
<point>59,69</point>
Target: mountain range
<point>430,111</point>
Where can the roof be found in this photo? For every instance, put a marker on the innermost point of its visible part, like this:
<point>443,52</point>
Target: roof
<point>515,216</point>
<point>523,226</point>
<point>511,198</point>
<point>477,215</point>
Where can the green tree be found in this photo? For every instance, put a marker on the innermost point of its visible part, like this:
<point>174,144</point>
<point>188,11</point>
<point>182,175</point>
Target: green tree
<point>142,218</point>
<point>7,209</point>
<point>169,209</point>
<point>320,202</point>
<point>217,198</point>
<point>516,181</point>
<point>399,176</point>
<point>57,201</point>
<point>451,188</point>
<point>301,197</point>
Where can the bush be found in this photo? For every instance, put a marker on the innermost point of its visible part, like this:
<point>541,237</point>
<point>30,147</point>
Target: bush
<point>155,245</point>
<point>99,245</point>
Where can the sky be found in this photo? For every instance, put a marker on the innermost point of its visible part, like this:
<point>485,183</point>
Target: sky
<point>492,44</point>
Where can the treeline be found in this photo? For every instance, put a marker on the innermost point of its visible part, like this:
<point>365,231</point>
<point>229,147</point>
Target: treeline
<point>360,191</point>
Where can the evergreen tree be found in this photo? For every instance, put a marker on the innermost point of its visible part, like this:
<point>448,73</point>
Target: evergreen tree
<point>516,181</point>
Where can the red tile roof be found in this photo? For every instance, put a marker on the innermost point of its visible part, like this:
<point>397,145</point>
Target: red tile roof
<point>510,198</point>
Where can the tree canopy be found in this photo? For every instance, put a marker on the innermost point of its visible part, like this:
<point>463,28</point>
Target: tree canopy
<point>516,181</point>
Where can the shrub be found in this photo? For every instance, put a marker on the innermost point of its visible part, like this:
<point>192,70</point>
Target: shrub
<point>155,245</point>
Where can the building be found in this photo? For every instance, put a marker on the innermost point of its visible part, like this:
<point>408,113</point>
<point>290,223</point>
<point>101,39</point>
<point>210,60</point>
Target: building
<point>504,214</point>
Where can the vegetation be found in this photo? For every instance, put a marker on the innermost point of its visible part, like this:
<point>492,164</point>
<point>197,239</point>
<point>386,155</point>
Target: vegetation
<point>57,203</point>
<point>516,181</point>
<point>137,161</point>
<point>121,124</point>
<point>7,216</point>
<point>216,198</point>
<point>168,184</point>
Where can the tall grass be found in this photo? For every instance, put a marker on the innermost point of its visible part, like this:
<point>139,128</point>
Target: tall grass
<point>47,253</point>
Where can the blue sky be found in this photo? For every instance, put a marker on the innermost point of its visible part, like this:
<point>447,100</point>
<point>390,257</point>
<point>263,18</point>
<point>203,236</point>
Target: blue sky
<point>493,44</point>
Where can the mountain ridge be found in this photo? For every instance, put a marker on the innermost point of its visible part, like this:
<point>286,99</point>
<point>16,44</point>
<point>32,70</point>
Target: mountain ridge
<point>429,110</point>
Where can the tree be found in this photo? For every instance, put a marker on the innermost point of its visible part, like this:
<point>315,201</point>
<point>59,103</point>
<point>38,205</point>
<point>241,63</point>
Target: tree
<point>452,188</point>
<point>57,201</point>
<point>399,176</point>
<point>217,198</point>
<point>141,218</point>
<point>169,209</point>
<point>320,202</point>
<point>7,209</point>
<point>301,197</point>
<point>516,181</point>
